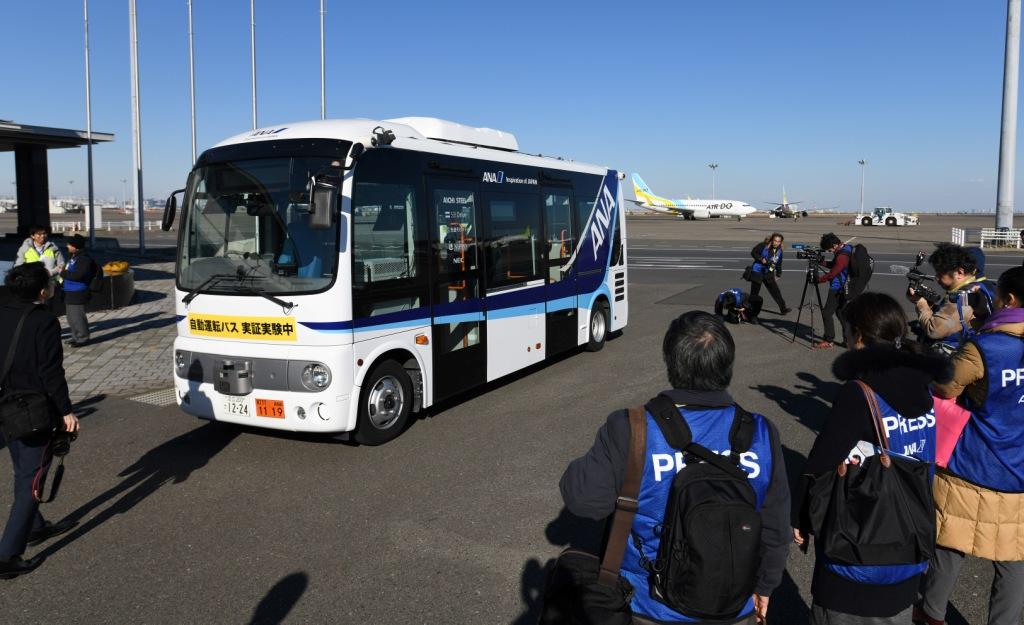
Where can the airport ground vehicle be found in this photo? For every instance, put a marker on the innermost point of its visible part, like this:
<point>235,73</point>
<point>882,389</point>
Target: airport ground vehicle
<point>337,276</point>
<point>885,216</point>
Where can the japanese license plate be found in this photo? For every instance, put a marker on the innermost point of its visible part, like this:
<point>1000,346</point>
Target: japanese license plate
<point>237,406</point>
<point>273,408</point>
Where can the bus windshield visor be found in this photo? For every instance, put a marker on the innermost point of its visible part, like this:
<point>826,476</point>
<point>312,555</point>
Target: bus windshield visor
<point>248,224</point>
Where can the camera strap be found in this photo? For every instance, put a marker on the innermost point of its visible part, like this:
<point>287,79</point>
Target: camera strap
<point>39,481</point>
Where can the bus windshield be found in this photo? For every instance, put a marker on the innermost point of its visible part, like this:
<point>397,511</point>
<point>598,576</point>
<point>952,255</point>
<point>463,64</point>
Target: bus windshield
<point>248,222</point>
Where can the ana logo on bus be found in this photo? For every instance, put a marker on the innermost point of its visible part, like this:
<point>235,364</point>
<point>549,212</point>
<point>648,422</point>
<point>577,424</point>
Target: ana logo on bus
<point>261,133</point>
<point>602,217</point>
<point>495,177</point>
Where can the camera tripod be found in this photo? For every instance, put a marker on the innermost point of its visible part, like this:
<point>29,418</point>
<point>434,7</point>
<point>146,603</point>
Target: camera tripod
<point>812,278</point>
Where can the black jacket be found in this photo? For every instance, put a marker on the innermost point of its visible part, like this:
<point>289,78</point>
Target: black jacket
<point>84,271</point>
<point>756,255</point>
<point>39,356</point>
<point>902,378</point>
<point>592,482</point>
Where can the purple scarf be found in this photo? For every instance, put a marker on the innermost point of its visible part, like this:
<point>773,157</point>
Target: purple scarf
<point>1004,316</point>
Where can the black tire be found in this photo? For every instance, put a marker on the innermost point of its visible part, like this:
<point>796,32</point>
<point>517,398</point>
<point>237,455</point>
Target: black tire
<point>597,327</point>
<point>865,221</point>
<point>890,221</point>
<point>379,419</point>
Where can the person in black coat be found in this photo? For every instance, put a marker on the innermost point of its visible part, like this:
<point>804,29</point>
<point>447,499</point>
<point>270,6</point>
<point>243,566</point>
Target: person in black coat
<point>78,275</point>
<point>38,366</point>
<point>767,269</point>
<point>900,373</point>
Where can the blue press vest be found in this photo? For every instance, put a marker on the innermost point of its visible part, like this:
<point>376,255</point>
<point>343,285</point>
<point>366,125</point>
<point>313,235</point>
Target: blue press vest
<point>71,286</point>
<point>990,452</point>
<point>910,437</point>
<point>767,258</point>
<point>736,293</point>
<point>709,427</point>
<point>838,281</point>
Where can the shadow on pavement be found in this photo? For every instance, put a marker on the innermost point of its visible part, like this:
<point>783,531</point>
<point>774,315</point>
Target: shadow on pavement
<point>81,409</point>
<point>108,324</point>
<point>144,297</point>
<point>159,322</point>
<point>809,403</point>
<point>171,462</point>
<point>786,606</point>
<point>280,600</point>
<point>566,530</point>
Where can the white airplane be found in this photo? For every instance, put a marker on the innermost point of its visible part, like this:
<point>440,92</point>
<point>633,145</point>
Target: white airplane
<point>688,209</point>
<point>786,208</point>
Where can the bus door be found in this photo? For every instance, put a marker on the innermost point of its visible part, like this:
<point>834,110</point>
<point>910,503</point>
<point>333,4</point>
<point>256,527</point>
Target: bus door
<point>514,269</point>
<point>458,330</point>
<point>560,239</point>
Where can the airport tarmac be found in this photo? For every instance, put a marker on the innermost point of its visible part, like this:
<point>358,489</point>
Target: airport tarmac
<point>455,521</point>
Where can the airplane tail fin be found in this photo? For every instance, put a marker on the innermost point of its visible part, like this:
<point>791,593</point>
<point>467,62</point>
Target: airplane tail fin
<point>639,186</point>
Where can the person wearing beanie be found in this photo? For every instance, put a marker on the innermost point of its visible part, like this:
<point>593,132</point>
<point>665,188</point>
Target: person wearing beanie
<point>78,275</point>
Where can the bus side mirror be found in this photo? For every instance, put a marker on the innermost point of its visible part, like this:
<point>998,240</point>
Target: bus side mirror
<point>170,209</point>
<point>322,200</point>
<point>354,153</point>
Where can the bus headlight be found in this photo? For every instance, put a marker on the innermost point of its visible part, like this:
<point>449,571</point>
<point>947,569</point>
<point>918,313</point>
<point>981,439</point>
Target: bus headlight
<point>316,377</point>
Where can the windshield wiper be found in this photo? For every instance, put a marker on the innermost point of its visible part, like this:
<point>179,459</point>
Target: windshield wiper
<point>286,306</point>
<point>191,295</point>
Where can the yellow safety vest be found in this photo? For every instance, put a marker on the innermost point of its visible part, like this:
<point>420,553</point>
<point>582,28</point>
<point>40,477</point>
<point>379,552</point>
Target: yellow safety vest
<point>33,256</point>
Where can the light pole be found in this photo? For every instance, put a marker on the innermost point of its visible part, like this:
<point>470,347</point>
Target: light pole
<point>862,163</point>
<point>252,51</point>
<point>323,93</point>
<point>1008,125</point>
<point>71,184</point>
<point>713,167</point>
<point>124,195</point>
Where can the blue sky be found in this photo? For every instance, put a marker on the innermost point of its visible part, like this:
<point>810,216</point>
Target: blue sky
<point>778,93</point>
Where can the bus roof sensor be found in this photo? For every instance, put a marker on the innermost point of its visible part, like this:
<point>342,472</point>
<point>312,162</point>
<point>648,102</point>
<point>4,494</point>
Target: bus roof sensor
<point>443,130</point>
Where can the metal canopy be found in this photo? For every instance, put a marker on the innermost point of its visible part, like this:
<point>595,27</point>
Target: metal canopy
<point>15,135</point>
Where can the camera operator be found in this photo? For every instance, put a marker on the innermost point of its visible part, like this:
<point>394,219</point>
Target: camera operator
<point>966,302</point>
<point>837,276</point>
<point>37,365</point>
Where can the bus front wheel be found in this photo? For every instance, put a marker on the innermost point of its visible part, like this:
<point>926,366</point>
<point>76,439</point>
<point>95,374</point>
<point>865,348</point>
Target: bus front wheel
<point>598,331</point>
<point>384,404</point>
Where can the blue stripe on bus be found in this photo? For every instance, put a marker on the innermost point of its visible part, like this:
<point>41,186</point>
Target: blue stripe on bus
<point>476,316</point>
<point>517,311</point>
<point>562,303</point>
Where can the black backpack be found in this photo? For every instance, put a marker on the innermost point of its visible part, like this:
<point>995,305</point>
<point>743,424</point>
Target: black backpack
<point>710,541</point>
<point>862,266</point>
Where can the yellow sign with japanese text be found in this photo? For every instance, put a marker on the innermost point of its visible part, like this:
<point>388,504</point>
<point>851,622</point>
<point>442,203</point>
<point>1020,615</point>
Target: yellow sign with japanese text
<point>245,328</point>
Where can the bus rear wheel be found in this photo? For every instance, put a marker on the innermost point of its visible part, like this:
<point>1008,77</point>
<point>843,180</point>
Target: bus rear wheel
<point>598,327</point>
<point>384,404</point>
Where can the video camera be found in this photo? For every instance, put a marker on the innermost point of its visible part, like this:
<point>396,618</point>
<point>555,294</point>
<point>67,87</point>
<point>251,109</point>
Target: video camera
<point>916,280</point>
<point>809,252</point>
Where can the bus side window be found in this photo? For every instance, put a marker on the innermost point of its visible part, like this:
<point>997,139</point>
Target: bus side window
<point>560,234</point>
<point>513,241</point>
<point>385,229</point>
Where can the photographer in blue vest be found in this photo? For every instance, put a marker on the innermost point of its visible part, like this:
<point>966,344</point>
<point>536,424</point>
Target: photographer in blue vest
<point>699,353</point>
<point>767,269</point>
<point>966,302</point>
<point>979,498</point>
<point>898,372</point>
<point>837,276</point>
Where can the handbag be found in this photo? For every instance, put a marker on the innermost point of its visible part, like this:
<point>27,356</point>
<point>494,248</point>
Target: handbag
<point>950,420</point>
<point>752,276</point>
<point>879,512</point>
<point>582,589</point>
<point>23,413</point>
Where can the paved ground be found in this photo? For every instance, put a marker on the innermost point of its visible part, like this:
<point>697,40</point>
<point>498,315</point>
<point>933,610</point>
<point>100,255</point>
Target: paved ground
<point>454,522</point>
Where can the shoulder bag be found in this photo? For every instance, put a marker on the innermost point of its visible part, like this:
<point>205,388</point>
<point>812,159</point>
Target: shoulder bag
<point>23,413</point>
<point>880,512</point>
<point>582,589</point>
